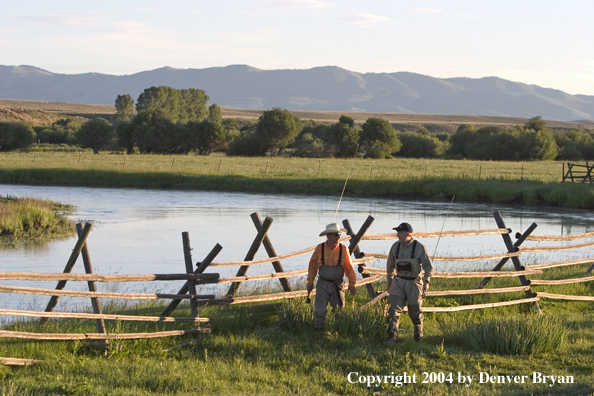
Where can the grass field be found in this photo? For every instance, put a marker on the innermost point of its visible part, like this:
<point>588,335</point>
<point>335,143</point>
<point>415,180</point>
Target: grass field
<point>257,352</point>
<point>531,183</point>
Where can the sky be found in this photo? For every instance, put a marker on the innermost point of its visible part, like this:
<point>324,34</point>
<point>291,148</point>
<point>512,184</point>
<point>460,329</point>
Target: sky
<point>547,43</point>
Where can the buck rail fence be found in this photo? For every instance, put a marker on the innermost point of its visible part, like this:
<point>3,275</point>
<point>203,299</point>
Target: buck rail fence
<point>578,173</point>
<point>196,277</point>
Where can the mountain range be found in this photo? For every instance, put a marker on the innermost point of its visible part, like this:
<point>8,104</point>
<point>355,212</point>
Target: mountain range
<point>327,88</point>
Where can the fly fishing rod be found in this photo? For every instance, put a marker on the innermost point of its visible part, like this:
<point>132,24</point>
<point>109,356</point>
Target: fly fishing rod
<point>440,232</point>
<point>442,225</point>
<point>344,187</point>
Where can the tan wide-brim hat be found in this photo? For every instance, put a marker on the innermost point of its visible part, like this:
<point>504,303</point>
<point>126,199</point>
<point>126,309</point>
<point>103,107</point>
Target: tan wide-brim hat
<point>332,228</point>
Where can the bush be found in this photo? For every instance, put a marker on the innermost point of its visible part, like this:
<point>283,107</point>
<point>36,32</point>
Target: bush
<point>16,135</point>
<point>378,138</point>
<point>246,143</point>
<point>308,145</point>
<point>418,145</point>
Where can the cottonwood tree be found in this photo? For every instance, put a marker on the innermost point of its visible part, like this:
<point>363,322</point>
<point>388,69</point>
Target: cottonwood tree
<point>378,138</point>
<point>214,113</point>
<point>124,105</point>
<point>173,104</point>
<point>276,129</point>
<point>97,134</point>
<point>343,137</point>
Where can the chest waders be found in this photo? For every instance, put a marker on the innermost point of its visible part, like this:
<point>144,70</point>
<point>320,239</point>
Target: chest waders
<point>403,291</point>
<point>332,273</point>
<point>408,269</point>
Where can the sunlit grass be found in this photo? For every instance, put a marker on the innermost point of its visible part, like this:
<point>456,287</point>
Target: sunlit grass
<point>283,167</point>
<point>23,219</point>
<point>276,351</point>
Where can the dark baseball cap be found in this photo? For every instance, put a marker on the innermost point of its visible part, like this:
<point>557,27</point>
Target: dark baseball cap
<point>404,227</point>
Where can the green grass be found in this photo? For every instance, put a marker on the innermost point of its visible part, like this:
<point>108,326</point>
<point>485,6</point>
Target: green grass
<point>530,183</point>
<point>258,352</point>
<point>24,219</point>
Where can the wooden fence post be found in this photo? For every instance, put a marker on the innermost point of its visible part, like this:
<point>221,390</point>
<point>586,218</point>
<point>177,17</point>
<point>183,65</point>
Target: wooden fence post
<point>189,269</point>
<point>515,260</point>
<point>251,254</point>
<point>71,261</point>
<point>588,173</point>
<point>92,287</point>
<point>501,263</point>
<point>271,252</point>
<point>354,248</point>
<point>201,267</point>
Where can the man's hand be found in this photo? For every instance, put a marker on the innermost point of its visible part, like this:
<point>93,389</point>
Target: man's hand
<point>425,288</point>
<point>309,287</point>
<point>352,289</point>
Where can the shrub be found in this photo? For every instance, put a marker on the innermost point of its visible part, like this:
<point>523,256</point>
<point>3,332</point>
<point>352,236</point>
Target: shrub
<point>517,336</point>
<point>420,145</point>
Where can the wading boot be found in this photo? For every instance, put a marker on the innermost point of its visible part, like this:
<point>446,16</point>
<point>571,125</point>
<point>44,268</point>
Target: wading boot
<point>391,339</point>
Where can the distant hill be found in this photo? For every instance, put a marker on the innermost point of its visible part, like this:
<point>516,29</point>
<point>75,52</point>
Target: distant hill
<point>326,88</point>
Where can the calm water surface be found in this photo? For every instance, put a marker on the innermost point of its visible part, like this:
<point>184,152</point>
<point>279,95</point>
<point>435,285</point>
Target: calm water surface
<point>139,232</point>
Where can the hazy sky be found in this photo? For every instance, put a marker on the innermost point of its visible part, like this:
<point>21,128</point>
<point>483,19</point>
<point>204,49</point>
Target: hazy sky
<point>548,43</point>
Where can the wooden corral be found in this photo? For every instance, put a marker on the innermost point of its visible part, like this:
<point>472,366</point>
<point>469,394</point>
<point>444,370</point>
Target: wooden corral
<point>195,277</point>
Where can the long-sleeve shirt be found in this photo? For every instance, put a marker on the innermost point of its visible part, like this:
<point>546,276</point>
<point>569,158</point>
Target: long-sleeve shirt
<point>405,252</point>
<point>331,258</point>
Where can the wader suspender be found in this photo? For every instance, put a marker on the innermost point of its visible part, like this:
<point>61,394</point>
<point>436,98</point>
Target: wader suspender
<point>339,263</point>
<point>339,254</point>
<point>412,254</point>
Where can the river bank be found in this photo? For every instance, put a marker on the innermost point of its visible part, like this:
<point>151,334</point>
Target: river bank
<point>535,183</point>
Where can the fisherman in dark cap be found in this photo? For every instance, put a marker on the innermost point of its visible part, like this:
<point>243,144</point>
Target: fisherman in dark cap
<point>409,271</point>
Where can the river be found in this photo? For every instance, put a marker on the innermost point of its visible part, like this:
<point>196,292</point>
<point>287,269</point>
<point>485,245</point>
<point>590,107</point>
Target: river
<point>139,232</point>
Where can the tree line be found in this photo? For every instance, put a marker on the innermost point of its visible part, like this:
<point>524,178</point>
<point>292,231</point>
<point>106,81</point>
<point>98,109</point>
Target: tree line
<point>167,120</point>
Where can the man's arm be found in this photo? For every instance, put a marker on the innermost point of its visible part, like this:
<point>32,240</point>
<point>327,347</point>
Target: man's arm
<point>426,264</point>
<point>349,271</point>
<point>312,270</point>
<point>390,266</point>
<point>427,267</point>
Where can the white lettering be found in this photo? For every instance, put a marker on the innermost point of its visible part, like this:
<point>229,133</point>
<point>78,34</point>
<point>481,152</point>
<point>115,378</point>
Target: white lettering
<point>462,379</point>
<point>483,377</point>
<point>349,377</point>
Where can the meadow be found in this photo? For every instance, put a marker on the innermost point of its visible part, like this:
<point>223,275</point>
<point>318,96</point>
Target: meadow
<point>530,183</point>
<point>253,351</point>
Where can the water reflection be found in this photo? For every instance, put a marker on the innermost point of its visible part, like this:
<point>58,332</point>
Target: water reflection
<point>139,231</point>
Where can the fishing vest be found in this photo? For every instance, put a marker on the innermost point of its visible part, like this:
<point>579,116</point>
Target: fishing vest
<point>331,273</point>
<point>408,268</point>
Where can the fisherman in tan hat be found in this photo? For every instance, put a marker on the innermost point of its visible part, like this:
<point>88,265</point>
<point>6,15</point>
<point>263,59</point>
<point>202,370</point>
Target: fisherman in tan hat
<point>331,261</point>
<point>409,261</point>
